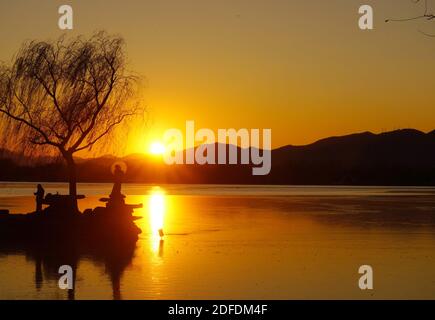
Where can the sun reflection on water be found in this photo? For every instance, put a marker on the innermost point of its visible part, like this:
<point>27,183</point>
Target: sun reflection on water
<point>156,209</point>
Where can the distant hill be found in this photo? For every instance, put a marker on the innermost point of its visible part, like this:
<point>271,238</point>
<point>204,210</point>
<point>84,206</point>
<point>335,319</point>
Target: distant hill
<point>401,157</point>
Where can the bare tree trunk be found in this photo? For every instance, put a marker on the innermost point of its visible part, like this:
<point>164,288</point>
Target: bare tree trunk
<point>72,179</point>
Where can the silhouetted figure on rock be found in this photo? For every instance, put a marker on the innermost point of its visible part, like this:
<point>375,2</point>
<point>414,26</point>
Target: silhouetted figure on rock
<point>116,197</point>
<point>39,197</point>
<point>115,203</point>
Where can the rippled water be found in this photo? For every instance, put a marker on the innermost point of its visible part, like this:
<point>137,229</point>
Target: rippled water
<point>253,242</point>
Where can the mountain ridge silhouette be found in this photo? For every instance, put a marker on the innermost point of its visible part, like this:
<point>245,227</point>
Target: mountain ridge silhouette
<point>400,157</point>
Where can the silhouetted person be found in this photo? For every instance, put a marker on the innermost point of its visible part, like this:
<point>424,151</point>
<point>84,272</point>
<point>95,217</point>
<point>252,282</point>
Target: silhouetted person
<point>39,197</point>
<point>118,177</point>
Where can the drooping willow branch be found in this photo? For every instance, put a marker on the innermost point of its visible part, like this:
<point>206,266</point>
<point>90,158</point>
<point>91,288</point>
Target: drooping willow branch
<point>425,16</point>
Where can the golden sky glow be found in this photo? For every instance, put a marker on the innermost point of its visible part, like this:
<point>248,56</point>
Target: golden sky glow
<point>301,68</point>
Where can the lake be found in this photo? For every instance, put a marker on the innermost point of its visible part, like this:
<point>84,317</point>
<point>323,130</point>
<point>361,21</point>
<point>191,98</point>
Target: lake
<point>245,242</point>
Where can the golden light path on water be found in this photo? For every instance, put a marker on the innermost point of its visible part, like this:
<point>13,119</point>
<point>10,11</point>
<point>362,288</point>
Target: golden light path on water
<point>156,212</point>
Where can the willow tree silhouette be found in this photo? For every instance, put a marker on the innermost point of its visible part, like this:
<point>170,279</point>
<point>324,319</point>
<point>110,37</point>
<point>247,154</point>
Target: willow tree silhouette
<point>65,96</point>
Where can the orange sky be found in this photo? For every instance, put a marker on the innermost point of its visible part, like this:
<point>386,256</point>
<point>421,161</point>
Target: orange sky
<point>302,68</point>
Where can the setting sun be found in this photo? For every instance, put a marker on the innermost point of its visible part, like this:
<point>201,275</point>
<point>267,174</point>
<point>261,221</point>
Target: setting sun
<point>157,148</point>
